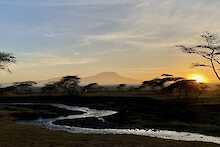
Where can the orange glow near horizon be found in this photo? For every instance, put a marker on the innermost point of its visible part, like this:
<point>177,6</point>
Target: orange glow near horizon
<point>198,77</point>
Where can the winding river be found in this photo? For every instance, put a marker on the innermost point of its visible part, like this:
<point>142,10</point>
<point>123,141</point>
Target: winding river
<point>164,134</point>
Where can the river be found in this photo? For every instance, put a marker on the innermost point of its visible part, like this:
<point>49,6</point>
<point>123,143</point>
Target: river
<point>164,134</point>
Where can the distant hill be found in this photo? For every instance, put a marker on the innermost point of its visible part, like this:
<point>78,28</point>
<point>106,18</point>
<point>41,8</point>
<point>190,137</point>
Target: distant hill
<point>104,78</point>
<point>108,78</point>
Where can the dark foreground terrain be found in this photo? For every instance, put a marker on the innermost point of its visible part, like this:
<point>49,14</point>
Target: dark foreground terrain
<point>196,116</point>
<point>179,115</point>
<point>17,135</point>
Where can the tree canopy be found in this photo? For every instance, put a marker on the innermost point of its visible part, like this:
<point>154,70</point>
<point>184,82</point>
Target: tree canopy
<point>5,60</point>
<point>210,51</point>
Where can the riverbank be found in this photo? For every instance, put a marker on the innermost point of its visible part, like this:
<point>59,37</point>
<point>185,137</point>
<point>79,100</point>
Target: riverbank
<point>195,115</point>
<point>158,113</point>
<point>19,135</point>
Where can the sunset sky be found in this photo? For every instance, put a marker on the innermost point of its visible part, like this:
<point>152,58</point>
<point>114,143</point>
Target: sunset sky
<point>135,38</point>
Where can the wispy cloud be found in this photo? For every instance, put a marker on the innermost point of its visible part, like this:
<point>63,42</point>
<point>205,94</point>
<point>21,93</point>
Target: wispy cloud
<point>54,60</point>
<point>83,32</point>
<point>56,3</point>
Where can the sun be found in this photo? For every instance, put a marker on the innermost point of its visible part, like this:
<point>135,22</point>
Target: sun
<point>198,78</point>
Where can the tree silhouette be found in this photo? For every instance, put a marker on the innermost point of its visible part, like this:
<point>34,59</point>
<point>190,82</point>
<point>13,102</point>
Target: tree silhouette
<point>8,90</point>
<point>49,89</point>
<point>25,83</point>
<point>24,87</point>
<point>167,75</point>
<point>121,86</point>
<point>185,89</point>
<point>90,86</point>
<point>70,84</point>
<point>160,82</point>
<point>209,51</point>
<point>5,60</point>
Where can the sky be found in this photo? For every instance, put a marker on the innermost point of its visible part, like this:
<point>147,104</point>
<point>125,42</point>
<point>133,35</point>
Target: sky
<point>135,38</point>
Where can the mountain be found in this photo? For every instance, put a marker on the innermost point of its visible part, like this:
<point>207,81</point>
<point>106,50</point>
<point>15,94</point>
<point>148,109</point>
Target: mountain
<point>108,78</point>
<point>104,78</point>
<point>44,82</point>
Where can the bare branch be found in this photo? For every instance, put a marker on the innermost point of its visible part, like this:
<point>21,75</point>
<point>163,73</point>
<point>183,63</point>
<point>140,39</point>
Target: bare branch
<point>200,65</point>
<point>217,61</point>
<point>218,53</point>
<point>166,75</point>
<point>209,51</point>
<point>186,49</point>
<point>208,47</point>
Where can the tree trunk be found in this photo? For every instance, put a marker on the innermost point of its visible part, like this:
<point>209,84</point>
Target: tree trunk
<point>213,67</point>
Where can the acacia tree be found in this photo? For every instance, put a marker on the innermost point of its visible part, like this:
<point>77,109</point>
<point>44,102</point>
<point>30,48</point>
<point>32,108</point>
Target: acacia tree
<point>160,82</point>
<point>49,88</point>
<point>210,51</point>
<point>24,87</point>
<point>185,88</point>
<point>5,60</point>
<point>70,84</point>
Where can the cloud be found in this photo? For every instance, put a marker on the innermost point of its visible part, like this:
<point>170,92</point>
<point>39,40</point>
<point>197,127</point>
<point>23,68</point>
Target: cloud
<point>158,24</point>
<point>53,61</point>
<point>126,40</point>
<point>53,34</point>
<point>114,36</point>
<point>58,3</point>
<point>163,23</point>
<point>42,60</point>
<point>113,31</point>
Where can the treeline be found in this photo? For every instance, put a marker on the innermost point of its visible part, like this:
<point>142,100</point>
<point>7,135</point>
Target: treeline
<point>70,85</point>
